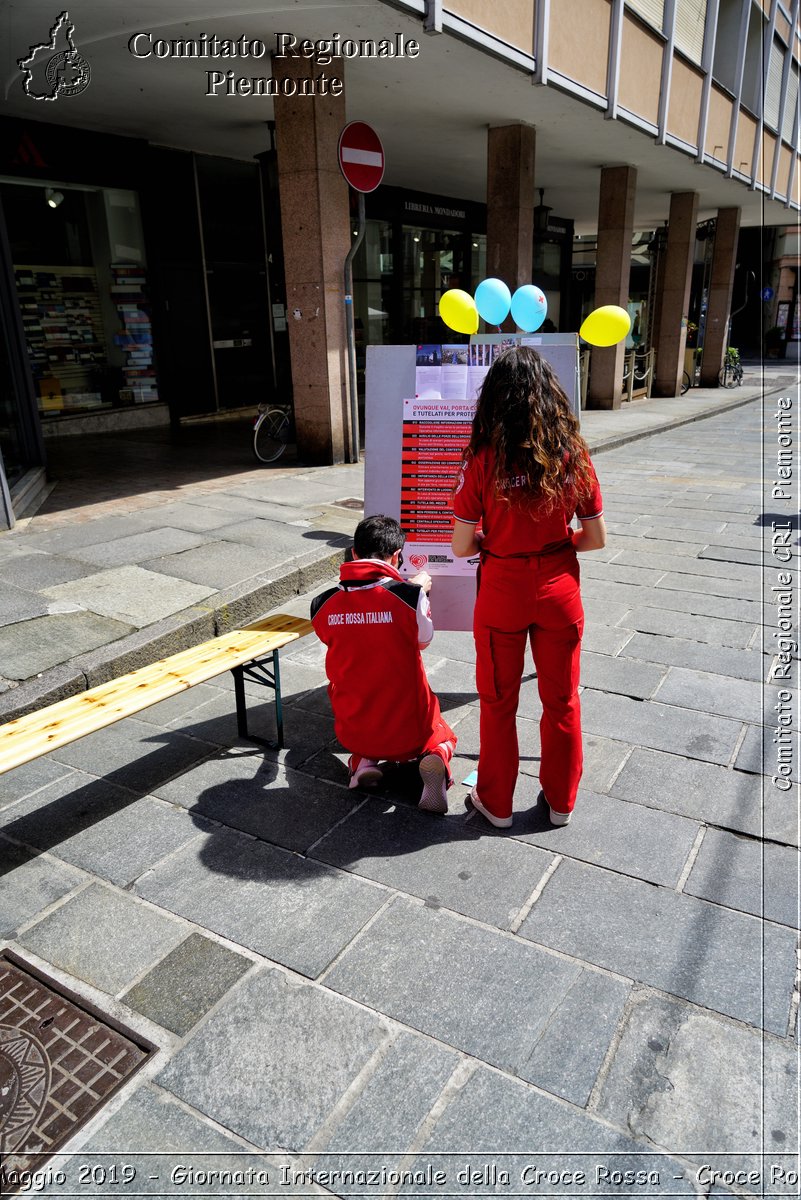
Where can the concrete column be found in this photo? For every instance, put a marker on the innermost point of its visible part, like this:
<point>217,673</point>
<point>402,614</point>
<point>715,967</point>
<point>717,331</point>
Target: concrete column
<point>510,203</point>
<point>612,271</point>
<point>675,297</point>
<point>315,223</point>
<point>724,257</point>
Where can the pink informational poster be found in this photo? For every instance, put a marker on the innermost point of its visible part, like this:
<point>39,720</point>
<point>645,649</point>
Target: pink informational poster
<point>435,433</point>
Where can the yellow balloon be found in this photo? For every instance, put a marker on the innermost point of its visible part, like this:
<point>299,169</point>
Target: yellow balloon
<point>458,311</point>
<point>606,326</point>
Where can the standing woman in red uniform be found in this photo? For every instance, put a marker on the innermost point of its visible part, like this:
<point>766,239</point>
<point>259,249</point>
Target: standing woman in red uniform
<point>527,471</point>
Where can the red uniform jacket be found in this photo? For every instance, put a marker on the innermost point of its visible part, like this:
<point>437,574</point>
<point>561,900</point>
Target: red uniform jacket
<point>374,624</point>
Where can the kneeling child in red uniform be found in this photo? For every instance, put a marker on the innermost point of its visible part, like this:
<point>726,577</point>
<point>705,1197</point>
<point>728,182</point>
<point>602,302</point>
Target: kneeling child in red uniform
<point>375,623</point>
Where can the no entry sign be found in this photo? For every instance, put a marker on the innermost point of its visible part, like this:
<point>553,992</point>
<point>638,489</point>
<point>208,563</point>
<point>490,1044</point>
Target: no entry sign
<point>361,156</point>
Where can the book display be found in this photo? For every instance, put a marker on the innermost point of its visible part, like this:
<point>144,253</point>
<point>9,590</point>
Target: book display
<point>63,327</point>
<point>136,340</point>
<point>68,341</point>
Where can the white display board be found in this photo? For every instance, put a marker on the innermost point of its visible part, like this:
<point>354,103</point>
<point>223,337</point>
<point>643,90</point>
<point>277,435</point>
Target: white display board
<point>419,406</point>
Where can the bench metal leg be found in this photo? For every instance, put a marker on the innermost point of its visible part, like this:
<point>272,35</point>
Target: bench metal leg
<point>266,672</point>
<point>241,704</point>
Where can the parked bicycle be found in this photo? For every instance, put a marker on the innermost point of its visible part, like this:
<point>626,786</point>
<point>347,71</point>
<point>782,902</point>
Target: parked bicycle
<point>731,373</point>
<point>272,431</point>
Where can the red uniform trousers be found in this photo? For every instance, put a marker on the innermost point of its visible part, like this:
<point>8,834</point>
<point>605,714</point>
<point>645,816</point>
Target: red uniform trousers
<point>536,599</point>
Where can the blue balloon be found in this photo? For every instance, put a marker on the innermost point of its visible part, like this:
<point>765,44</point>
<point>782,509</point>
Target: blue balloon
<point>493,301</point>
<point>529,307</point>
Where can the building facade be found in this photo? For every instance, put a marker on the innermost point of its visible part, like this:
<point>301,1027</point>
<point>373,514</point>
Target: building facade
<point>174,225</point>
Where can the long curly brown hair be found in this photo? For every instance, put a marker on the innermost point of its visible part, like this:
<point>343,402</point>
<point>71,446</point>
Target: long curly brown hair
<point>524,417</point>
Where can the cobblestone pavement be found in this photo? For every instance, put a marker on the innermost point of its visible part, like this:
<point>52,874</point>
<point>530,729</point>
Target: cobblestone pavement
<point>336,981</point>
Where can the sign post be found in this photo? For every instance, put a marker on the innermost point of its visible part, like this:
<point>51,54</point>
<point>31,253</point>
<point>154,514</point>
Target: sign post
<point>361,161</point>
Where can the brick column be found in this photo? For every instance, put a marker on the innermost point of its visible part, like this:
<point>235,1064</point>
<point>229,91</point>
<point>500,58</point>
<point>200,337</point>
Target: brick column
<point>675,297</point>
<point>724,257</point>
<point>612,272</point>
<point>510,203</point>
<point>316,228</point>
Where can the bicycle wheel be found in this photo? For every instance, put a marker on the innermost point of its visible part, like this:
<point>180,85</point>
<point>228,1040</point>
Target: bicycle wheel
<point>685,383</point>
<point>726,377</point>
<point>270,435</point>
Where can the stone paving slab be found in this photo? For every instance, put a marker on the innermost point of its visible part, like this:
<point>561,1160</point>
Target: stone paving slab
<point>103,937</point>
<point>274,1059</point>
<point>759,753</point>
<point>493,1119</point>
<point>137,547</point>
<point>131,594</point>
<point>32,646</point>
<point>30,777</point>
<point>698,568</point>
<point>187,983</point>
<point>127,842</point>
<point>701,791</point>
<point>18,605</point>
<point>685,625</point>
<point>567,1058</point>
<point>729,554</point>
<point>30,883</point>
<point>396,1099</point>
<point>218,565</point>
<point>618,835</point>
<point>133,754</point>
<point>214,720</point>
<point>615,572</point>
<point>737,589</point>
<point>703,1086</point>
<point>154,1135</point>
<point>289,909</point>
<point>660,726</point>
<point>680,652</point>
<point>604,639</point>
<point>37,570</point>
<point>740,699</point>
<point>199,515</point>
<point>621,675</point>
<point>674,942</point>
<point>252,793</point>
<point>74,802</point>
<point>748,875</point>
<point>77,534</point>
<point>445,862</point>
<point>461,974</point>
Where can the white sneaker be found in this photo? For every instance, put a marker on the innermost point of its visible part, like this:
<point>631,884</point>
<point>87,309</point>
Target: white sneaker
<point>366,774</point>
<point>556,817</point>
<point>434,775</point>
<point>500,822</point>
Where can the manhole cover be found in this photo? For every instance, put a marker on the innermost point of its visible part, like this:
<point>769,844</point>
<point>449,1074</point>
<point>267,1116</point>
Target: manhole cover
<point>351,502</point>
<point>59,1063</point>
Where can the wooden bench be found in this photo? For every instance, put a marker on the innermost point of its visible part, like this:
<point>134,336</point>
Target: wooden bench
<point>249,653</point>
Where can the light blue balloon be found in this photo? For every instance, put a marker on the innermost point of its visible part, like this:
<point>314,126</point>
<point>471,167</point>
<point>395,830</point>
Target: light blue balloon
<point>529,307</point>
<point>493,301</point>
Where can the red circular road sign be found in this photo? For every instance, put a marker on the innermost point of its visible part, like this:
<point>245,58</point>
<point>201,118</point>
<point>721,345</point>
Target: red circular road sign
<point>361,156</point>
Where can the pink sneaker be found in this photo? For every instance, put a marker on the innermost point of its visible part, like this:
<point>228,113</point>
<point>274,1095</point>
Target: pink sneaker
<point>500,822</point>
<point>364,772</point>
<point>434,775</point>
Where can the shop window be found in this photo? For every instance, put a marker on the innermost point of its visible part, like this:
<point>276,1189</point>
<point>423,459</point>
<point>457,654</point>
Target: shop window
<point>81,279</point>
<point>372,287</point>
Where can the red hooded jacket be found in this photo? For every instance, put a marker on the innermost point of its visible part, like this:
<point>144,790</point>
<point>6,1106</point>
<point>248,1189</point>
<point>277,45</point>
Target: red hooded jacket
<point>374,625</point>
